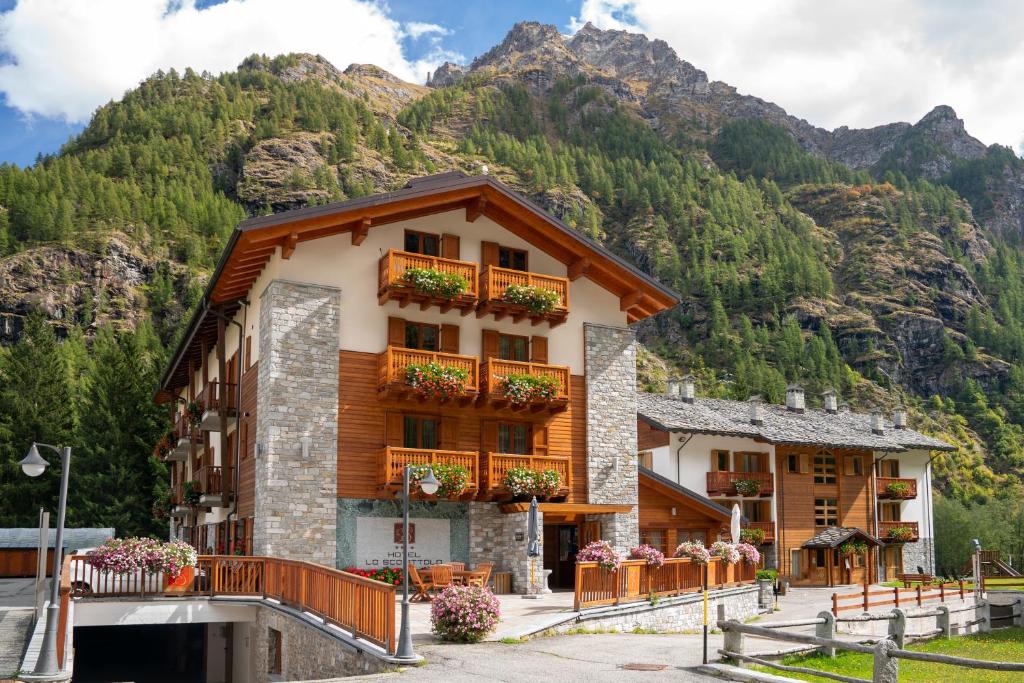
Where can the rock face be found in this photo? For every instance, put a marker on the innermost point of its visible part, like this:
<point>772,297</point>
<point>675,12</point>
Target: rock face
<point>282,172</point>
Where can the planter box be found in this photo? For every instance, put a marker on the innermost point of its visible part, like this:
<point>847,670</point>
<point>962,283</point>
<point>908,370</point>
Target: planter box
<point>182,583</point>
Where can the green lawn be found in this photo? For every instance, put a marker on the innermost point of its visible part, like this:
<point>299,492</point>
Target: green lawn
<point>1006,645</point>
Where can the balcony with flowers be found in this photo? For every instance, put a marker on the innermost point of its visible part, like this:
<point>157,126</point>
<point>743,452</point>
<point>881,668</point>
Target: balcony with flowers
<point>412,374</point>
<point>540,298</point>
<point>407,278</point>
<point>517,385</point>
<point>892,488</point>
<point>458,472</point>
<point>747,484</point>
<point>520,477</point>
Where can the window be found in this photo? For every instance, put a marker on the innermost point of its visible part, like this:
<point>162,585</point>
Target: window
<point>511,258</point>
<point>514,437</point>
<point>273,651</point>
<point>793,463</point>
<point>422,336</point>
<point>824,468</point>
<point>794,562</point>
<point>889,468</point>
<point>645,459</point>
<point>698,535</point>
<point>513,347</point>
<point>754,510</point>
<point>819,558</point>
<point>720,461</point>
<point>750,462</point>
<point>855,466</point>
<point>424,243</point>
<point>654,538</point>
<point>826,512</point>
<point>420,432</point>
<point>889,512</point>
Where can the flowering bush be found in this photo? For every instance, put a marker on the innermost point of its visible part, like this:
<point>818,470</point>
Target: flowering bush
<point>436,381</point>
<point>464,614</point>
<point>600,552</point>
<point>520,388</point>
<point>195,410</point>
<point>752,536</point>
<point>653,556</point>
<point>694,551</point>
<point>900,533</point>
<point>177,555</point>
<point>127,555</point>
<point>434,282</point>
<point>520,481</point>
<point>747,487</point>
<point>855,547</point>
<point>453,480</point>
<point>748,552</point>
<point>388,575</point>
<point>725,550</point>
<point>897,489</point>
<point>538,300</point>
<point>547,483</point>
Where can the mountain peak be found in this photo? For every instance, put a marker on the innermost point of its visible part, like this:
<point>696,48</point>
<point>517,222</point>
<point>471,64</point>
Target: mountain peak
<point>529,44</point>
<point>942,114</point>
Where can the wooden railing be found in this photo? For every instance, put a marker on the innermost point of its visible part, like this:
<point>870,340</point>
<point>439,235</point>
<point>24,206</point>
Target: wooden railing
<point>392,364</point>
<point>724,483</point>
<point>215,392</point>
<point>391,282</point>
<point>883,492</point>
<point>211,479</point>
<point>767,527</point>
<point>393,461</point>
<point>363,607</point>
<point>494,281</point>
<point>635,580</point>
<point>879,596</point>
<point>182,426</point>
<point>498,465</point>
<point>493,369</point>
<point>885,527</point>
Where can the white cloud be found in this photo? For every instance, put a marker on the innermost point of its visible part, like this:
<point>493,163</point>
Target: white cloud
<point>849,62</point>
<point>416,29</point>
<point>66,57</point>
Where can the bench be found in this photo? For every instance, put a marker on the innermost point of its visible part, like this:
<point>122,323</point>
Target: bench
<point>923,579</point>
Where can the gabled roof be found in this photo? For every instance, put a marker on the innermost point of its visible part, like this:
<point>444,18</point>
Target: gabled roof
<point>780,426</point>
<point>73,538</point>
<point>684,495</point>
<point>834,536</point>
<point>254,241</point>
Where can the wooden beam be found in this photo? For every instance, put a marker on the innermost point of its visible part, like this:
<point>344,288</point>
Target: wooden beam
<point>288,245</point>
<point>630,300</point>
<point>360,231</point>
<point>476,208</point>
<point>579,268</point>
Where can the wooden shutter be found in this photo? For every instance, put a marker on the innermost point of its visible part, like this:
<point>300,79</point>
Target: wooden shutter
<point>539,349</point>
<point>396,332</point>
<point>393,431</point>
<point>540,439</point>
<point>591,532</point>
<point>449,434</point>
<point>449,338</point>
<point>248,351</point>
<point>450,246</point>
<point>848,465</point>
<point>489,253</point>
<point>489,344</point>
<point>489,436</point>
<point>805,463</point>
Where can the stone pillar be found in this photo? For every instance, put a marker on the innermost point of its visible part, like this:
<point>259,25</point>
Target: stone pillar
<point>611,428</point>
<point>297,411</point>
<point>487,542</point>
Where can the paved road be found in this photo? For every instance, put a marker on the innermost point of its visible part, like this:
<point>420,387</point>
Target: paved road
<point>16,592</point>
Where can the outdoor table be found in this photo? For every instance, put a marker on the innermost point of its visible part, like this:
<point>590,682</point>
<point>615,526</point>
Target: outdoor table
<point>458,577</point>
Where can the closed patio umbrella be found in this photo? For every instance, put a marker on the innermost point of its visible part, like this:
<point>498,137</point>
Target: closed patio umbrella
<point>532,530</point>
<point>734,526</point>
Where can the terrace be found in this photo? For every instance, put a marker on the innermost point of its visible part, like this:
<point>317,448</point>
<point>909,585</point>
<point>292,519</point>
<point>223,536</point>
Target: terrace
<point>394,460</point>
<point>497,465</point>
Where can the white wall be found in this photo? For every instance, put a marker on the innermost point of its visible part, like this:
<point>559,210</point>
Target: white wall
<point>123,612</point>
<point>915,465</point>
<point>242,652</point>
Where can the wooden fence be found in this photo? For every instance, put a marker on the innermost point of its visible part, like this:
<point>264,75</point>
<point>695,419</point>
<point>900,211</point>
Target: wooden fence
<point>635,580</point>
<point>363,607</point>
<point>877,596</point>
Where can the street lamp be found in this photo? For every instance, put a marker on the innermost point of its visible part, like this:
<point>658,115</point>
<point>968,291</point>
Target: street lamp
<point>33,465</point>
<point>429,486</point>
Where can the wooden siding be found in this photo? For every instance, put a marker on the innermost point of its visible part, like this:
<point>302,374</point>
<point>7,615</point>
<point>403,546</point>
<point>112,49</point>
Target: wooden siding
<point>21,562</point>
<point>247,431</point>
<point>362,418</point>
<point>648,437</point>
<point>656,514</point>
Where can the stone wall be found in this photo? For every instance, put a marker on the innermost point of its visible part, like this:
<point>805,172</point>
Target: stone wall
<point>670,615</point>
<point>611,427</point>
<point>919,554</point>
<point>492,538</point>
<point>297,399</point>
<point>307,653</point>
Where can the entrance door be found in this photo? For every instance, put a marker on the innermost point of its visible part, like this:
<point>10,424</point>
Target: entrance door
<point>893,561</point>
<point>561,543</point>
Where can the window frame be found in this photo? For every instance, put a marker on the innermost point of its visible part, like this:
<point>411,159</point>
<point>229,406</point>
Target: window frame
<point>511,339</point>
<point>823,476</point>
<point>509,254</point>
<point>792,463</point>
<point>421,237</point>
<point>420,419</point>
<point>509,426</point>
<point>717,454</point>
<point>826,509</point>
<point>419,327</point>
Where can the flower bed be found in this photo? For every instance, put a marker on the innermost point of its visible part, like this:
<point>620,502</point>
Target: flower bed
<point>648,553</point>
<point>437,283</point>
<point>600,552</point>
<point>464,614</point>
<point>453,480</point>
<point>694,551</point>
<point>128,555</point>
<point>388,575</point>
<point>436,381</point>
<point>522,388</point>
<point>537,300</point>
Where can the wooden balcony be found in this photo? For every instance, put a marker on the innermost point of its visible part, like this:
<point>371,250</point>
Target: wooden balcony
<point>392,365</point>
<point>183,437</point>
<point>392,285</point>
<point>493,283</point>
<point>213,481</point>
<point>497,465</point>
<point>491,391</point>
<point>767,527</point>
<point>393,461</point>
<point>884,529</point>
<point>890,488</point>
<point>212,397</point>
<point>724,483</point>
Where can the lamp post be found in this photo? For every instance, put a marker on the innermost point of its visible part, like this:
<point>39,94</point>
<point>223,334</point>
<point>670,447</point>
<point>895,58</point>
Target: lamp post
<point>429,485</point>
<point>33,465</point>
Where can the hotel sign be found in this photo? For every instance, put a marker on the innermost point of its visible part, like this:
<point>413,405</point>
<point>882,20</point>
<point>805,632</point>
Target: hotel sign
<point>379,542</point>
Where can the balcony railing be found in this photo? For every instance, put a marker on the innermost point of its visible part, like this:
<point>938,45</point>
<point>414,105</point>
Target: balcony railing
<point>494,281</point>
<point>493,370</point>
<point>393,461</point>
<point>767,527</point>
<point>182,426</point>
<point>212,479</point>
<point>724,483</point>
<point>497,466</point>
<point>392,366</point>
<point>885,530</point>
<point>892,488</point>
<point>392,285</point>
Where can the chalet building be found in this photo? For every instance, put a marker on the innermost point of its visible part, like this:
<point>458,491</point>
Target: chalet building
<point>295,412</point>
<point>813,481</point>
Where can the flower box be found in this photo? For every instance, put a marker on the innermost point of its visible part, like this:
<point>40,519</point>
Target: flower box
<point>523,388</point>
<point>432,380</point>
<point>182,583</point>
<point>436,283</point>
<point>536,300</point>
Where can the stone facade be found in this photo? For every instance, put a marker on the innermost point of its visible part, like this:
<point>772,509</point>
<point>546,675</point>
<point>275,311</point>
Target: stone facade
<point>919,554</point>
<point>350,509</point>
<point>307,653</point>
<point>611,428</point>
<point>297,409</point>
<point>492,538</point>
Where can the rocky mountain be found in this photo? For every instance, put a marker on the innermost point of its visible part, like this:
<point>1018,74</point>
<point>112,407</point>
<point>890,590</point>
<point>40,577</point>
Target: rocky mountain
<point>882,262</point>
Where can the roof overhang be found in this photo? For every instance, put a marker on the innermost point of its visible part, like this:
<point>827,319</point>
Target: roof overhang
<point>685,496</point>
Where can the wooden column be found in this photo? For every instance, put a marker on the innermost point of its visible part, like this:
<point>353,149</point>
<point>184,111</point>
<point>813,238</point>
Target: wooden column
<point>829,566</point>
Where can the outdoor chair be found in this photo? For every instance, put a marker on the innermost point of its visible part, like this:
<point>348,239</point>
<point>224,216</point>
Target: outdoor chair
<point>457,566</point>
<point>484,576</point>
<point>441,576</point>
<point>422,586</point>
